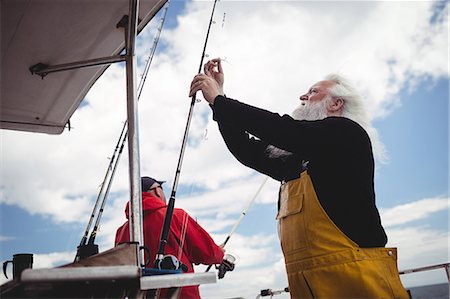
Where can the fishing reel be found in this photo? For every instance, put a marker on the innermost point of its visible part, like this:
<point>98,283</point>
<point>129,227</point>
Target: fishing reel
<point>226,265</point>
<point>170,262</point>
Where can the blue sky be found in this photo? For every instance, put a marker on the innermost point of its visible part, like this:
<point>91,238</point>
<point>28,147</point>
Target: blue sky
<point>421,124</point>
<point>49,183</point>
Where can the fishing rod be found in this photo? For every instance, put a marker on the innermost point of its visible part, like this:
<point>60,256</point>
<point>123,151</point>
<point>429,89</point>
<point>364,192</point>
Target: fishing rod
<point>140,88</point>
<point>170,207</point>
<point>100,213</point>
<point>85,250</point>
<point>271,293</point>
<point>244,212</point>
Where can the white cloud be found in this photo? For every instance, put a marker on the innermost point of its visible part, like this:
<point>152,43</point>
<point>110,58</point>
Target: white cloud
<point>53,259</point>
<point>275,50</point>
<point>417,210</point>
<point>259,258</point>
<point>6,238</point>
<point>420,246</point>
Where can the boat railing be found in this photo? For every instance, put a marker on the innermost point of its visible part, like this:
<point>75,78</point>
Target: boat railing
<point>446,266</point>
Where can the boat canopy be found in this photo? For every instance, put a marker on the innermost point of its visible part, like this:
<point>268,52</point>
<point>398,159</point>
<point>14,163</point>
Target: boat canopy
<point>41,33</point>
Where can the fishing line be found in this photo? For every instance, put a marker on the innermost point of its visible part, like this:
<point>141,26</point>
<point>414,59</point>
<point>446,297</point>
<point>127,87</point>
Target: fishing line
<point>244,212</point>
<point>152,51</point>
<point>119,147</point>
<point>170,206</point>
<point>223,20</point>
<point>183,235</point>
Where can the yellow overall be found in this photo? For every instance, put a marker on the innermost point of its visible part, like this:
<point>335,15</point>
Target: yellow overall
<point>321,261</point>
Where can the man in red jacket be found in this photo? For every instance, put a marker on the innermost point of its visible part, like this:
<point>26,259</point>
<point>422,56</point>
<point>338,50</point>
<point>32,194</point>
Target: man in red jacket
<point>187,240</point>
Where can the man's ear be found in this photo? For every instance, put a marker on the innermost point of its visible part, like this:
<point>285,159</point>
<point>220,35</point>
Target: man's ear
<point>158,192</point>
<point>336,105</point>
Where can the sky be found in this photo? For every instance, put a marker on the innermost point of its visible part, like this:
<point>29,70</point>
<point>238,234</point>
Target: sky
<point>396,53</point>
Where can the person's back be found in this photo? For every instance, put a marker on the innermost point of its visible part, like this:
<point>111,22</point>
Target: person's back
<point>187,240</point>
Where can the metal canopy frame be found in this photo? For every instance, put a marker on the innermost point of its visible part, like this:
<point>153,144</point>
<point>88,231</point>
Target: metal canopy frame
<point>45,36</point>
<point>130,23</point>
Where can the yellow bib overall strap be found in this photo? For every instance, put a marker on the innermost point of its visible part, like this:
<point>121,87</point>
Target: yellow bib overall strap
<point>321,261</point>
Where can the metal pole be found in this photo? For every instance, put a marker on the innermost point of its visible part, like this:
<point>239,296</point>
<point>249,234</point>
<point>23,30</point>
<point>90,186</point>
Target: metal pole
<point>446,266</point>
<point>43,70</point>
<point>122,139</point>
<point>136,231</point>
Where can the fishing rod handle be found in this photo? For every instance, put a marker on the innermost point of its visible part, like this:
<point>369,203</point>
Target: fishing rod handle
<point>166,226</point>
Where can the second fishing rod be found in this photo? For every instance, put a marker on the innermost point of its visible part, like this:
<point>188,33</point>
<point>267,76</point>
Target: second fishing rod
<point>171,205</point>
<point>241,217</point>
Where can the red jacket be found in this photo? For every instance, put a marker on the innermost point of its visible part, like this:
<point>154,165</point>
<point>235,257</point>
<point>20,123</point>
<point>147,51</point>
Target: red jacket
<point>198,247</point>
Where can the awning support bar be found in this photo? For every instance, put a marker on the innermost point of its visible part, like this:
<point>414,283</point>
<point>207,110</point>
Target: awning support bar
<point>43,70</point>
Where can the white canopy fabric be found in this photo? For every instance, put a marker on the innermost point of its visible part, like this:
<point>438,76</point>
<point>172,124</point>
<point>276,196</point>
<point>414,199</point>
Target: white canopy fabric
<point>56,32</point>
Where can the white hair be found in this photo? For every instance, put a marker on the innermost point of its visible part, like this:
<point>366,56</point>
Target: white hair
<point>355,110</point>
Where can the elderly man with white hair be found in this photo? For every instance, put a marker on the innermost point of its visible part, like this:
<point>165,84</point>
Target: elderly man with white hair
<point>330,229</point>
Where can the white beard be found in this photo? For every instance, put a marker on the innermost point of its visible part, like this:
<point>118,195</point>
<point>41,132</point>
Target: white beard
<point>306,111</point>
<point>311,111</point>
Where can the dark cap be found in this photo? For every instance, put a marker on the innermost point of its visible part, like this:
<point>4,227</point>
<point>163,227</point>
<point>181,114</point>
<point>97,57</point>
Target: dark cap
<point>147,183</point>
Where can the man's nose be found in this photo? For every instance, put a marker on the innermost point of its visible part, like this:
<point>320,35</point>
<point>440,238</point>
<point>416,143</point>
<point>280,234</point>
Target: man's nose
<point>304,97</point>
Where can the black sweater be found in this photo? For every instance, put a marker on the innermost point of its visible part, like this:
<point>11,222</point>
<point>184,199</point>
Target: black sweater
<point>340,158</point>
